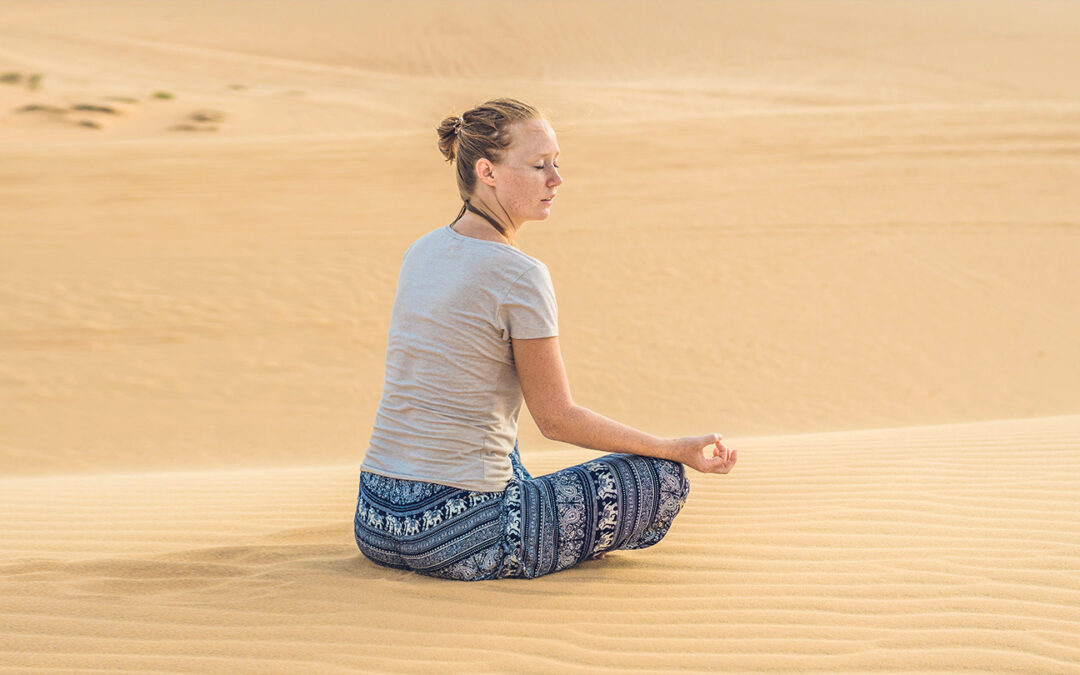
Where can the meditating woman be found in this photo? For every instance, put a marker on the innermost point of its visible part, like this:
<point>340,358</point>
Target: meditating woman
<point>473,332</point>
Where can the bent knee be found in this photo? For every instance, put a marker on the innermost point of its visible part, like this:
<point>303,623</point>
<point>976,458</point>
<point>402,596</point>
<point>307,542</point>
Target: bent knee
<point>684,482</point>
<point>676,474</point>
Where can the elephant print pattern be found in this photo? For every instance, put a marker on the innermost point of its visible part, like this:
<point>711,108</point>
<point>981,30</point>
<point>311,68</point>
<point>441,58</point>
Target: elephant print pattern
<point>535,526</point>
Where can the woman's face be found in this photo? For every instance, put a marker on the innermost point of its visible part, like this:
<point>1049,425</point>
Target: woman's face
<point>527,177</point>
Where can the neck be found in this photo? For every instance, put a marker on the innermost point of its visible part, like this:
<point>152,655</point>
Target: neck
<point>477,223</point>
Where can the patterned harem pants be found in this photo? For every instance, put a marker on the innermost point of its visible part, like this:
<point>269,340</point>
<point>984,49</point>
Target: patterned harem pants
<point>535,526</point>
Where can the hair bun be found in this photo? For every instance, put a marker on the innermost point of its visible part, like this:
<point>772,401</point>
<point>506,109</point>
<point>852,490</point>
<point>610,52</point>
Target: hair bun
<point>449,132</point>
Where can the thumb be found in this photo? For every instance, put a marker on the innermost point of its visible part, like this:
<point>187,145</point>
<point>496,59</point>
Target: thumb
<point>714,440</point>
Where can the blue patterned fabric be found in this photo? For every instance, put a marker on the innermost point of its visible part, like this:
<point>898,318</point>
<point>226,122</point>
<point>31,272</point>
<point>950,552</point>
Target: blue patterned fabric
<point>534,527</point>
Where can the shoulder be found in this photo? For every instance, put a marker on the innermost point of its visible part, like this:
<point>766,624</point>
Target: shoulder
<point>531,273</point>
<point>483,255</point>
<point>425,241</point>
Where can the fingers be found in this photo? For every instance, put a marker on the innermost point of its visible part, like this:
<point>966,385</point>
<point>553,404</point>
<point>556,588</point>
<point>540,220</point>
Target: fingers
<point>733,457</point>
<point>715,457</point>
<point>724,463</point>
<point>721,450</point>
<point>718,450</point>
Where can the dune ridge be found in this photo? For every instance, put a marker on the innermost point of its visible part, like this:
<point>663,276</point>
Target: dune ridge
<point>828,276</point>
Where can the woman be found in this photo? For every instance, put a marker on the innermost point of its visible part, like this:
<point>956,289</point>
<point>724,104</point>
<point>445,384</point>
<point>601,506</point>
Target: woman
<point>473,331</point>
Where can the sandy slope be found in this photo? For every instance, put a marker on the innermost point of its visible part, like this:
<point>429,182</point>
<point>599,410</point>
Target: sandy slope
<point>936,548</point>
<point>778,218</point>
<point>221,297</point>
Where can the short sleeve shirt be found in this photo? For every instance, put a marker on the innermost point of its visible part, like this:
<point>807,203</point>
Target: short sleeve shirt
<point>451,396</point>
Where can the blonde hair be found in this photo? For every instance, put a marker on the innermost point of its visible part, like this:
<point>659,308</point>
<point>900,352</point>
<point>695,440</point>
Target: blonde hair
<point>482,132</point>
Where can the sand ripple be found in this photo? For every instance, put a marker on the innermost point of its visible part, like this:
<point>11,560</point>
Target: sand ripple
<point>922,549</point>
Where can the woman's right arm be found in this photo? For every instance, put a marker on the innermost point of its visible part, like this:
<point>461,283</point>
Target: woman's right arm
<point>546,389</point>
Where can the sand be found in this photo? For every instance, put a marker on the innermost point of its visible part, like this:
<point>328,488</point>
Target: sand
<point>842,234</point>
<point>931,548</point>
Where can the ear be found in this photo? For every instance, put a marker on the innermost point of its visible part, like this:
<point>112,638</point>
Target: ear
<point>485,171</point>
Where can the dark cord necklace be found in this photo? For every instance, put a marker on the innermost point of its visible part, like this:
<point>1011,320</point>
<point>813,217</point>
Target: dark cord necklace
<point>498,228</point>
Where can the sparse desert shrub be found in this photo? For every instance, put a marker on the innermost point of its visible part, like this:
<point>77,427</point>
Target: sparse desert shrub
<point>41,107</point>
<point>208,116</point>
<point>93,107</point>
<point>193,127</point>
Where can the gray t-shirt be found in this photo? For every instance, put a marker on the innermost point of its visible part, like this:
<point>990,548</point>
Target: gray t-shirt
<point>451,395</point>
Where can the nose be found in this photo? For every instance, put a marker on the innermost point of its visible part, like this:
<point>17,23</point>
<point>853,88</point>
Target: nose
<point>556,179</point>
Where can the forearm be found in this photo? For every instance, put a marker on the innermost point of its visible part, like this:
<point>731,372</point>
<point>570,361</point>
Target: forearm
<point>583,427</point>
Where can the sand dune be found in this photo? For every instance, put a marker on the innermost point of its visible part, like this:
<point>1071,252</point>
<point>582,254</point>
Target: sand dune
<point>224,299</point>
<point>843,234</point>
<point>935,548</point>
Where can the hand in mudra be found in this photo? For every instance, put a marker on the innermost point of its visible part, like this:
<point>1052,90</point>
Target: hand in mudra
<point>706,453</point>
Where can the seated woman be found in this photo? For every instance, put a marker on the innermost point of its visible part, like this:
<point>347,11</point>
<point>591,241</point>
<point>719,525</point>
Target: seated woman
<point>473,332</point>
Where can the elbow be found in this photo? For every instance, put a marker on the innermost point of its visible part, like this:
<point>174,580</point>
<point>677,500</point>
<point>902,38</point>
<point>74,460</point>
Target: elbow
<point>548,431</point>
<point>547,427</point>
<point>553,425</point>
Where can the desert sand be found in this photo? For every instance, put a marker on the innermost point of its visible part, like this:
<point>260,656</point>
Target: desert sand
<point>843,234</point>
